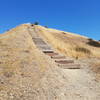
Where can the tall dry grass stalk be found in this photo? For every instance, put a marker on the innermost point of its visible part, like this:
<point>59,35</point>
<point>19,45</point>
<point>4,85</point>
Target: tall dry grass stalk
<point>69,44</point>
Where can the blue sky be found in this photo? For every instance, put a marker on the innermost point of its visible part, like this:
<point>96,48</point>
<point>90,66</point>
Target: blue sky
<point>78,16</point>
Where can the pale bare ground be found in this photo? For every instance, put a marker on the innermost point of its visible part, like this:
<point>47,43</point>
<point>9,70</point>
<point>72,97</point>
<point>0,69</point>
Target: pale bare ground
<point>94,65</point>
<point>28,74</point>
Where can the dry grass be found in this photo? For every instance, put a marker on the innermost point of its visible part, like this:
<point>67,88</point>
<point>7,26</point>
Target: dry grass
<point>19,56</point>
<point>83,50</point>
<point>26,73</point>
<point>67,43</point>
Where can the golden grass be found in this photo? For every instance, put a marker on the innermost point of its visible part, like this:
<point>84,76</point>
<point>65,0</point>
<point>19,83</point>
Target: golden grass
<point>19,55</point>
<point>22,64</point>
<point>67,43</point>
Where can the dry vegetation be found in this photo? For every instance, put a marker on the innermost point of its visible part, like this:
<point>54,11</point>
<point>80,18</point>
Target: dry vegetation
<point>26,73</point>
<point>21,63</point>
<point>69,44</point>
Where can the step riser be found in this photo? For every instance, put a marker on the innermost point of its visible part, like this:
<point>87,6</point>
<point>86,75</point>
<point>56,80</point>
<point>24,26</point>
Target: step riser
<point>55,57</point>
<point>64,61</point>
<point>46,51</point>
<point>51,54</point>
<point>76,66</point>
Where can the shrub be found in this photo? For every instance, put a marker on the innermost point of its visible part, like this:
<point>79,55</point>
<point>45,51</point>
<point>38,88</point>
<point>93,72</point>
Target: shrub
<point>84,50</point>
<point>63,33</point>
<point>93,43</point>
<point>90,39</point>
<point>32,24</point>
<point>8,30</point>
<point>46,26</point>
<point>36,23</point>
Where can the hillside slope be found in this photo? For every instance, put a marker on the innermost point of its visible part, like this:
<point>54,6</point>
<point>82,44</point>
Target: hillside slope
<point>21,63</point>
<point>70,44</point>
<point>26,73</point>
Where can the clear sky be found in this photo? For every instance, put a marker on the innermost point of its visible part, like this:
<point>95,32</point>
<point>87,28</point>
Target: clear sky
<point>79,16</point>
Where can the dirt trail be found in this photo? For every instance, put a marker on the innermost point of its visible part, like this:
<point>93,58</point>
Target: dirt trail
<point>67,84</point>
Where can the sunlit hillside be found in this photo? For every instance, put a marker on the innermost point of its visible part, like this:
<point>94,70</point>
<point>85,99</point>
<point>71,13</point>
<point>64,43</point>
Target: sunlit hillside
<point>38,63</point>
<point>70,44</point>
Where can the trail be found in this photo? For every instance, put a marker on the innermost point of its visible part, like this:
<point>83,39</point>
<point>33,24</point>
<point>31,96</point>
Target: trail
<point>68,80</point>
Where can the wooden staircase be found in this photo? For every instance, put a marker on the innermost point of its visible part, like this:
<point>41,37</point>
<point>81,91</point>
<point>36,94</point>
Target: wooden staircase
<point>59,59</point>
<point>63,62</point>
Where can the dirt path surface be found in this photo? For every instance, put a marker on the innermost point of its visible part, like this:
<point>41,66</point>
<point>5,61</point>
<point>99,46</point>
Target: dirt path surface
<point>68,84</point>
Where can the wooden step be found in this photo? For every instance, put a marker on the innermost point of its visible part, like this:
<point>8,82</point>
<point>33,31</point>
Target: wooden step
<point>37,38</point>
<point>44,47</point>
<point>58,57</point>
<point>39,41</point>
<point>48,51</point>
<point>64,61</point>
<point>51,53</point>
<point>69,66</point>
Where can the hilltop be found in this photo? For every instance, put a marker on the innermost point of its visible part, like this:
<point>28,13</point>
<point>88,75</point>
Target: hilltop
<point>70,44</point>
<point>39,63</point>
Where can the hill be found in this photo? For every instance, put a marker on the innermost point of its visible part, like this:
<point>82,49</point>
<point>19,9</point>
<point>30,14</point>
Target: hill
<point>38,63</point>
<point>70,44</point>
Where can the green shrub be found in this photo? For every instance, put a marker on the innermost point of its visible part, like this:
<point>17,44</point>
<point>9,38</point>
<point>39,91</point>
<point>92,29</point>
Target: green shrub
<point>93,43</point>
<point>46,26</point>
<point>36,23</point>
